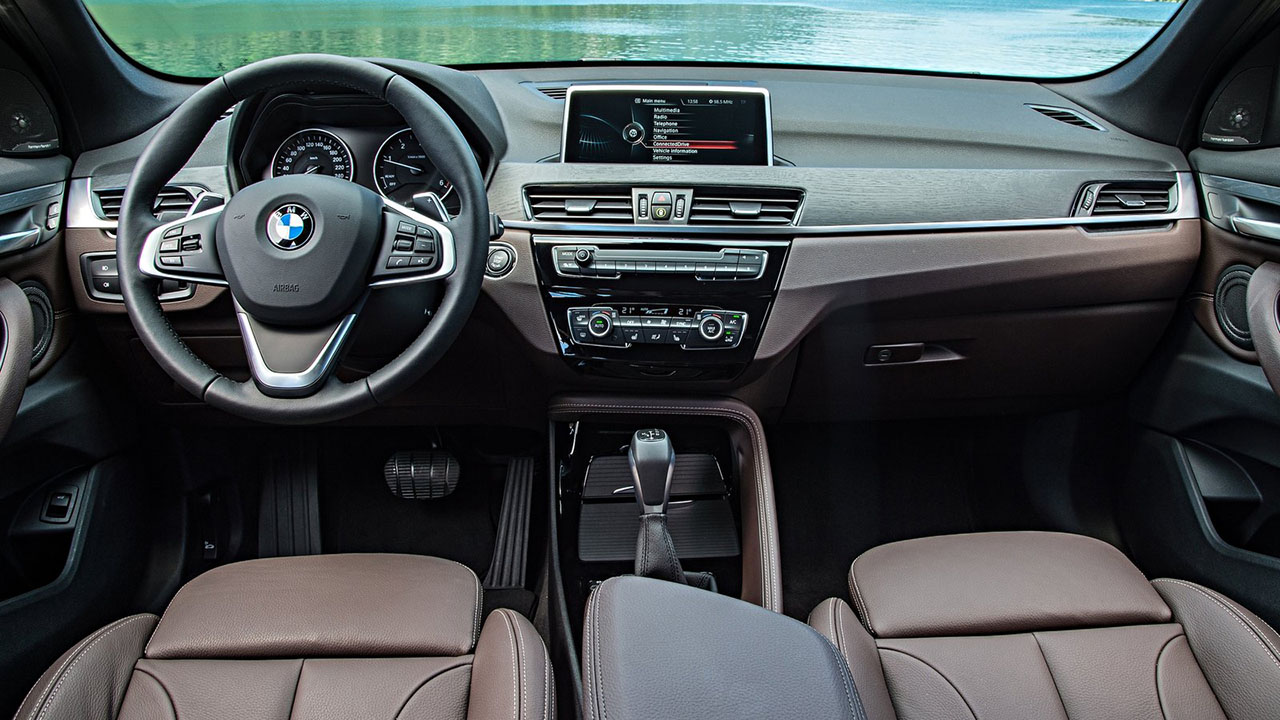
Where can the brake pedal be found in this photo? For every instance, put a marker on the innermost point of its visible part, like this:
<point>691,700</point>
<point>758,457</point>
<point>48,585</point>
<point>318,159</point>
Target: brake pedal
<point>421,474</point>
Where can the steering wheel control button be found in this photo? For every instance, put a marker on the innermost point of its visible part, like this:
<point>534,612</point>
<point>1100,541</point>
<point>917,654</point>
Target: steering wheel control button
<point>398,261</point>
<point>170,246</point>
<point>289,227</point>
<point>171,260</point>
<point>173,232</point>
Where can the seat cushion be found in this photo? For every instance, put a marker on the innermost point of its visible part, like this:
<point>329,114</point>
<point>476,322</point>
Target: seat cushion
<point>362,605</point>
<point>999,583</point>
<point>998,626</point>
<point>309,638</point>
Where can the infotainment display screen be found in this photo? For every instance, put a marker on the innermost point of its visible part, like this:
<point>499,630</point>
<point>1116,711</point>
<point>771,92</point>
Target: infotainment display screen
<point>667,124</point>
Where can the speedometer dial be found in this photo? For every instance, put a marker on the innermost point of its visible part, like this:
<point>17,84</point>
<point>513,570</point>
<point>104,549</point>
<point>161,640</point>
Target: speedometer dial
<point>313,152</point>
<point>403,170</point>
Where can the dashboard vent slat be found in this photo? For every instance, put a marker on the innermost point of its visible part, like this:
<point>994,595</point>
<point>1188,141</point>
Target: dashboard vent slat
<point>1067,115</point>
<point>595,204</point>
<point>171,199</point>
<point>1126,198</point>
<point>741,206</point>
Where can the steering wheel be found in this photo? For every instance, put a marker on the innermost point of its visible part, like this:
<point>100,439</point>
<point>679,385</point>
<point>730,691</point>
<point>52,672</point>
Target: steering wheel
<point>301,253</point>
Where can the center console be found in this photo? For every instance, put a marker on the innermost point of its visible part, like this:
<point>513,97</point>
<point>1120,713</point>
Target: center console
<point>643,307</point>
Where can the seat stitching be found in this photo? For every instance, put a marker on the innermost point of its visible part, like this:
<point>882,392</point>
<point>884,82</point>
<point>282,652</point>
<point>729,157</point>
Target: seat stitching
<point>837,627</point>
<point>297,684</point>
<point>75,660</point>
<point>1257,636</point>
<point>75,652</point>
<point>1159,695</point>
<point>764,505</point>
<point>857,596</point>
<point>524,662</point>
<point>515,671</point>
<point>168,696</point>
<point>855,707</point>
<point>1052,678</point>
<point>425,681</point>
<point>955,689</point>
<point>546,683</point>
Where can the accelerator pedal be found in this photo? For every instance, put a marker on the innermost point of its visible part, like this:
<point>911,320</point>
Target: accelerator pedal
<point>511,548</point>
<point>421,474</point>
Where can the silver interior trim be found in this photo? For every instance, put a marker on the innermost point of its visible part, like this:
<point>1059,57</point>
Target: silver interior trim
<point>295,382</point>
<point>448,253</point>
<point>20,240</point>
<point>81,213</point>
<point>1260,229</point>
<point>1184,206</point>
<point>672,87</point>
<point>151,248</point>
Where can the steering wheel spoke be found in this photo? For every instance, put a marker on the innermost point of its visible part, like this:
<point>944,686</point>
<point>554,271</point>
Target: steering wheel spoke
<point>290,361</point>
<point>185,249</point>
<point>412,248</point>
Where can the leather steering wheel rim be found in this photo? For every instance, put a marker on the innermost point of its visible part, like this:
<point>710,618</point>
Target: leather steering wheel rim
<point>176,141</point>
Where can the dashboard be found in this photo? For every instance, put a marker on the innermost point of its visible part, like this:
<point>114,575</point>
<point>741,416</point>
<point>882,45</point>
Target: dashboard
<point>683,229</point>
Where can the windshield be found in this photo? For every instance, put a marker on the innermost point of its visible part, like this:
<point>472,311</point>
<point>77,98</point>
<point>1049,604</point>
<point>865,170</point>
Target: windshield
<point>1028,38</point>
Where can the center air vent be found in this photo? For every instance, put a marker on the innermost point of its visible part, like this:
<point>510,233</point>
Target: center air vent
<point>567,203</point>
<point>170,199</point>
<point>745,206</point>
<point>1126,198</point>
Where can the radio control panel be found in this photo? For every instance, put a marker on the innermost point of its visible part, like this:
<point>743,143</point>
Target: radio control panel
<point>706,265</point>
<point>707,329</point>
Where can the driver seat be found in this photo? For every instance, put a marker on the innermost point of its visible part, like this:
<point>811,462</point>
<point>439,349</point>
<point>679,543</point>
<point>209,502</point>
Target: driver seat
<point>322,636</point>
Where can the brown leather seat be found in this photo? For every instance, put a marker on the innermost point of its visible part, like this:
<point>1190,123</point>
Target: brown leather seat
<point>1044,625</point>
<point>326,636</point>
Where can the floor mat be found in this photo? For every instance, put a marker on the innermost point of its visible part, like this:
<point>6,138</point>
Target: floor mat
<point>359,514</point>
<point>842,489</point>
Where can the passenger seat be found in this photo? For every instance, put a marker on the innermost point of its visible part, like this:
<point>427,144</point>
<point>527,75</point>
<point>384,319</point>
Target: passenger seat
<point>1005,626</point>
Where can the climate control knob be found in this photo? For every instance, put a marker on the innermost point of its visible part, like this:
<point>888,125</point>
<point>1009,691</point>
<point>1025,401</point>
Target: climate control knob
<point>600,324</point>
<point>711,327</point>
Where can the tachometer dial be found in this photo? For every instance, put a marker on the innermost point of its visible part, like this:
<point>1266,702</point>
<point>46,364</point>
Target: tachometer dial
<point>402,170</point>
<point>313,152</point>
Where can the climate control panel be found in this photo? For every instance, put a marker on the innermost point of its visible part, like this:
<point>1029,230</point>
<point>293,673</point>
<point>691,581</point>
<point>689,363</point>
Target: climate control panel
<point>687,328</point>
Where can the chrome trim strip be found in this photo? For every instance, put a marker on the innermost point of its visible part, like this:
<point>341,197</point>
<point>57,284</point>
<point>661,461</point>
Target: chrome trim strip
<point>581,239</point>
<point>1185,207</point>
<point>1243,188</point>
<point>80,211</point>
<point>20,240</point>
<point>448,254</point>
<point>297,381</point>
<point>673,87</point>
<point>151,248</point>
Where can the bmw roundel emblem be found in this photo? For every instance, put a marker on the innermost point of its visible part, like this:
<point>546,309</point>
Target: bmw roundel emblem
<point>290,226</point>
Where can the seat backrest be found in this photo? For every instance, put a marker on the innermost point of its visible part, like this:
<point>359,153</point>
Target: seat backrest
<point>1043,625</point>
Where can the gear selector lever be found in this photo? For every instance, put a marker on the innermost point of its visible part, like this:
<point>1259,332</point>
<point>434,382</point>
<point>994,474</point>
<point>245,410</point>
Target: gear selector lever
<point>653,461</point>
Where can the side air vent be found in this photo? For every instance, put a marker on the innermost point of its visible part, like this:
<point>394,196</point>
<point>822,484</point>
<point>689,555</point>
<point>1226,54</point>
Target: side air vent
<point>1068,116</point>
<point>745,206</point>
<point>567,203</point>
<point>171,199</point>
<point>1126,198</point>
